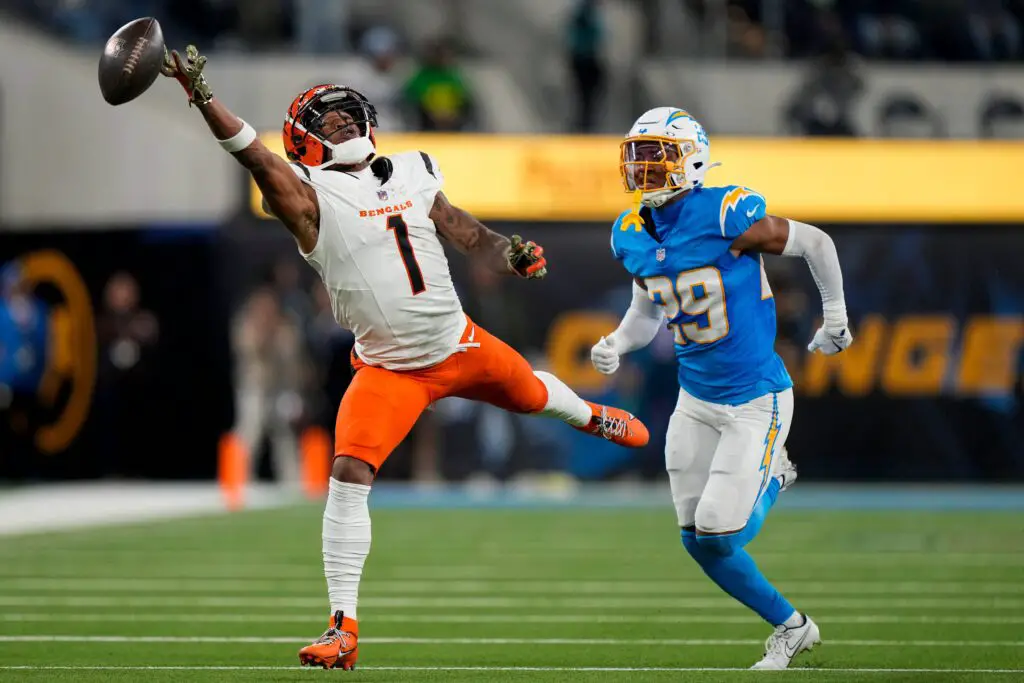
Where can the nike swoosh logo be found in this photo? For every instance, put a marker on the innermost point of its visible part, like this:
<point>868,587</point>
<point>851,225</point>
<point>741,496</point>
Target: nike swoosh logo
<point>796,648</point>
<point>750,214</point>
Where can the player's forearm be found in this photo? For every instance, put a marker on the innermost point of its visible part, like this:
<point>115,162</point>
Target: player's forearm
<point>223,124</point>
<point>480,243</point>
<point>492,250</point>
<point>819,251</point>
<point>639,326</point>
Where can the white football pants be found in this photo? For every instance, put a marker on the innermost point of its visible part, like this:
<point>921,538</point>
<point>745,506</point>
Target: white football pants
<point>719,457</point>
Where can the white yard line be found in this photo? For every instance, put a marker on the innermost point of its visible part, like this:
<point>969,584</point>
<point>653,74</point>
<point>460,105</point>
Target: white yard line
<point>319,616</point>
<point>523,587</point>
<point>541,669</point>
<point>60,507</point>
<point>493,602</point>
<point>494,641</point>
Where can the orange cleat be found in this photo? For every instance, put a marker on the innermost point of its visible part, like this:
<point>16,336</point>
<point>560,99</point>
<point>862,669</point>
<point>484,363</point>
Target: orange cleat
<point>337,648</point>
<point>617,426</point>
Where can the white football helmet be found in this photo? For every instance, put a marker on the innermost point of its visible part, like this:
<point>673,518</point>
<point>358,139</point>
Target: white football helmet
<point>665,153</point>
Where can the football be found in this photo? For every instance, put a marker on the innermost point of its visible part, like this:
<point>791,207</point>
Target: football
<point>131,60</point>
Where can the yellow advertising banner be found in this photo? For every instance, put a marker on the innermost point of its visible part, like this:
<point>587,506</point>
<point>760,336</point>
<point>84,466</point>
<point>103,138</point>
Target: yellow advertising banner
<point>576,178</point>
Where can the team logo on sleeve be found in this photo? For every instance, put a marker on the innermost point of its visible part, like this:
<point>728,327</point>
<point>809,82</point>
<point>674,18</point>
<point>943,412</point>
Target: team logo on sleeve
<point>731,200</point>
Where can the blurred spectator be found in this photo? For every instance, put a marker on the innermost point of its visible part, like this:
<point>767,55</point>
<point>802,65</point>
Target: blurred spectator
<point>92,21</point>
<point>994,32</point>
<point>128,335</point>
<point>883,29</point>
<point>746,38</point>
<point>204,22</point>
<point>125,329</point>
<point>330,346</point>
<point>22,336</point>
<point>377,77</point>
<point>287,284</point>
<point>585,39</point>
<point>269,366</point>
<point>822,104</point>
<point>906,116</point>
<point>1002,117</point>
<point>263,23</point>
<point>321,26</point>
<point>438,92</point>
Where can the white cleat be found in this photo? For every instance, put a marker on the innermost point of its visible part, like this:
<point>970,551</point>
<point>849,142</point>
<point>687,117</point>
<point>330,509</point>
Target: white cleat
<point>785,470</point>
<point>786,643</point>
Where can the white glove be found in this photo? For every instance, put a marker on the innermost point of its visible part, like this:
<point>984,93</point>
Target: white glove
<point>831,339</point>
<point>604,357</point>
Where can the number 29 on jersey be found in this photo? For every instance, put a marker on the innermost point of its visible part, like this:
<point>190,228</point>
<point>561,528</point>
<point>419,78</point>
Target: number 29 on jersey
<point>697,293</point>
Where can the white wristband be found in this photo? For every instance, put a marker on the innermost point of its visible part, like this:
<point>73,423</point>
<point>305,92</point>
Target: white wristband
<point>240,140</point>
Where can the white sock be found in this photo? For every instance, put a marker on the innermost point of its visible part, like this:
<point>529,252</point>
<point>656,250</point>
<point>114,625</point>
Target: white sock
<point>563,402</point>
<point>795,619</point>
<point>346,536</point>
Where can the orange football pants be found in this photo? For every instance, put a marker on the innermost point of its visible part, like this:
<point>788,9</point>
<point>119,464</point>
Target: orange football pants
<point>381,406</point>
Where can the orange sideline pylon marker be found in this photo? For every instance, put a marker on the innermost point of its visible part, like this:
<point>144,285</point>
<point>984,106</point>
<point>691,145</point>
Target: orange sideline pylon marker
<point>315,452</point>
<point>232,470</point>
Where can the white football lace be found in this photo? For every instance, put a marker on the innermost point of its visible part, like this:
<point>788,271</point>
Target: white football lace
<point>329,635</point>
<point>776,643</point>
<point>611,426</point>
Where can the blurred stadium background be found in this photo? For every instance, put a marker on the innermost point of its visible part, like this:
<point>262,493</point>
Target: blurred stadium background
<point>148,308</point>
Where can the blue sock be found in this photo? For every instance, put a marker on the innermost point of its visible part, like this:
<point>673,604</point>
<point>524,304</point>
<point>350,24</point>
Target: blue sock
<point>727,544</point>
<point>725,561</point>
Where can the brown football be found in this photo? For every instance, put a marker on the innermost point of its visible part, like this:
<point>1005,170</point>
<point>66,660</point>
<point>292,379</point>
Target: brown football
<point>131,60</point>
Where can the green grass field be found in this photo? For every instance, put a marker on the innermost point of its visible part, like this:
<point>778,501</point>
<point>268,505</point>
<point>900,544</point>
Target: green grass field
<point>496,595</point>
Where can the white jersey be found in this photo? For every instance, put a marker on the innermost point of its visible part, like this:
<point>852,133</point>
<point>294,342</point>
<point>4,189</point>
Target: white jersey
<point>384,268</point>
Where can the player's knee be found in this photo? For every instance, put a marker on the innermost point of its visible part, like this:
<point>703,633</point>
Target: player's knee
<point>715,527</point>
<point>537,391</point>
<point>722,545</point>
<point>350,470</point>
<point>713,515</point>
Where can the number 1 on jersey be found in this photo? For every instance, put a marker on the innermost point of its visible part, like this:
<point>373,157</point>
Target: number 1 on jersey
<point>412,268</point>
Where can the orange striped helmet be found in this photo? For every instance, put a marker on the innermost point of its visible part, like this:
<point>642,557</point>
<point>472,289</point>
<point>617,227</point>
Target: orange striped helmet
<point>303,138</point>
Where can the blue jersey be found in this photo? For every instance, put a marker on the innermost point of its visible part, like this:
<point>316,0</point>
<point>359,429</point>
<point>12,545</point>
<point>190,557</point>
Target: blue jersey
<point>718,305</point>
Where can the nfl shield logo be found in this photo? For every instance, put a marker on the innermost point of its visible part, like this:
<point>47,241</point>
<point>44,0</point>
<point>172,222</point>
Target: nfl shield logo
<point>660,255</point>
<point>382,195</point>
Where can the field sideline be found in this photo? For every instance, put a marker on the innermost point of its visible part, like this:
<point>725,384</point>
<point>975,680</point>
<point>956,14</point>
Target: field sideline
<point>553,594</point>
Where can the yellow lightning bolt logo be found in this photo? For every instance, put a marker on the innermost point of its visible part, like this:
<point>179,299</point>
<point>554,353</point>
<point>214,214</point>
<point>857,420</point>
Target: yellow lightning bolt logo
<point>769,445</point>
<point>731,200</point>
<point>681,114</point>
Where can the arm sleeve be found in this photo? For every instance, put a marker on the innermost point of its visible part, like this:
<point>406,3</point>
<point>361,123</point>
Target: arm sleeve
<point>740,208</point>
<point>818,249</point>
<point>640,324</point>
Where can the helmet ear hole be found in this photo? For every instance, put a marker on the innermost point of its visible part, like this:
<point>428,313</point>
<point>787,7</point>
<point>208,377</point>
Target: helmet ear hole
<point>697,164</point>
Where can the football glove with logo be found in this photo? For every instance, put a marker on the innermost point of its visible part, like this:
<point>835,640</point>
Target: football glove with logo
<point>831,340</point>
<point>188,72</point>
<point>527,259</point>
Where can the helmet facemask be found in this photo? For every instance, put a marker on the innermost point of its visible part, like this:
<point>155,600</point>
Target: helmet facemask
<point>313,118</point>
<point>655,166</point>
